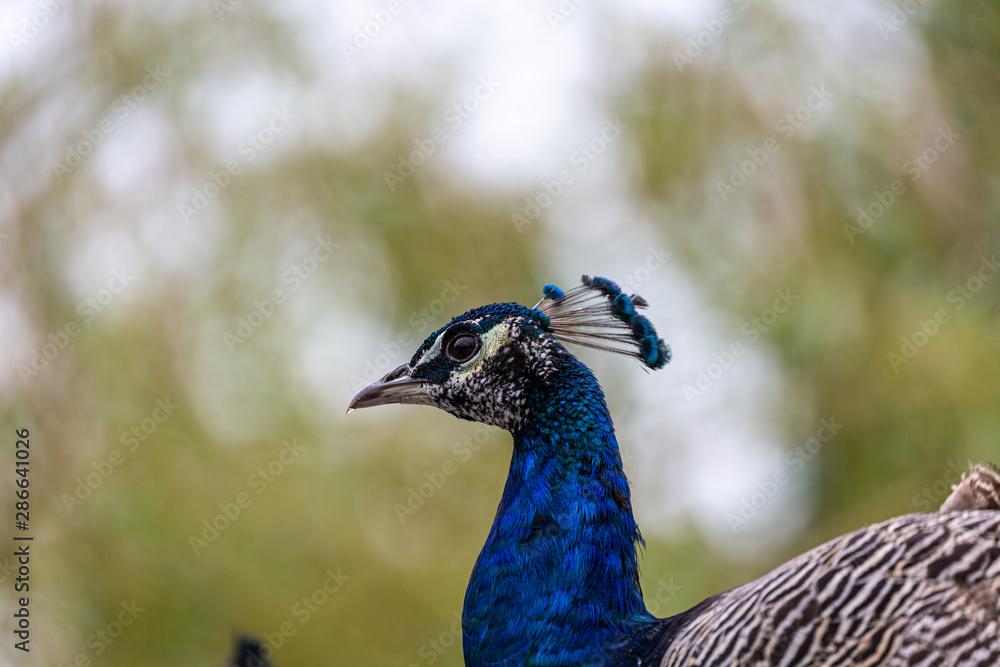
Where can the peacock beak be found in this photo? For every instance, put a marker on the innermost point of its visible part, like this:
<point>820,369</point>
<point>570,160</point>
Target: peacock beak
<point>396,386</point>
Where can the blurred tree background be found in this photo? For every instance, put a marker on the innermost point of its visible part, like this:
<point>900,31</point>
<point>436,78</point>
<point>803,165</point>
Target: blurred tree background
<point>219,219</point>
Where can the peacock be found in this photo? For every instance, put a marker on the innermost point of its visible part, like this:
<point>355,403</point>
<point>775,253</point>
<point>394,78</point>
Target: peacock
<point>249,652</point>
<point>557,582</point>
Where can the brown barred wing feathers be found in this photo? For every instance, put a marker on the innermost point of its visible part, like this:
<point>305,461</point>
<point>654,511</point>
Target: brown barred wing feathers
<point>922,589</point>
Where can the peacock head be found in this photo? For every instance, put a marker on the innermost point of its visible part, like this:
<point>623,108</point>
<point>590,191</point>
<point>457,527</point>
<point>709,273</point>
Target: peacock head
<point>491,363</point>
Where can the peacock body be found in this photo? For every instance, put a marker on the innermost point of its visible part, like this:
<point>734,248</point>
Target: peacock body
<point>557,582</point>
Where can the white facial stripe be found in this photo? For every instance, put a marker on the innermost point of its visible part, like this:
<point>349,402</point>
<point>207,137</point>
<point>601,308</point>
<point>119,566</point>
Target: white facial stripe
<point>492,341</point>
<point>432,350</point>
<point>435,348</point>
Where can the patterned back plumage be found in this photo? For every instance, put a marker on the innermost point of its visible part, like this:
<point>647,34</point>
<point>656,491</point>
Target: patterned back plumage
<point>978,490</point>
<point>922,589</point>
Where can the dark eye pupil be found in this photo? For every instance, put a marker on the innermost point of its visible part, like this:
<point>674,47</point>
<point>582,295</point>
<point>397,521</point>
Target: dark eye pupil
<point>461,348</point>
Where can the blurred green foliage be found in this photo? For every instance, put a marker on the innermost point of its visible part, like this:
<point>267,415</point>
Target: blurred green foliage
<point>334,507</point>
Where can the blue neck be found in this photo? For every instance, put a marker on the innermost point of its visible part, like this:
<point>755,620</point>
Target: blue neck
<point>557,581</point>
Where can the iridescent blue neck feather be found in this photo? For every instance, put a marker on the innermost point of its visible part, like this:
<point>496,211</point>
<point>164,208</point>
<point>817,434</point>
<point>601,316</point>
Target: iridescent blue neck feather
<point>557,582</point>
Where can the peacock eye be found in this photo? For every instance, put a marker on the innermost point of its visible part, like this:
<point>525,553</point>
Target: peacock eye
<point>462,347</point>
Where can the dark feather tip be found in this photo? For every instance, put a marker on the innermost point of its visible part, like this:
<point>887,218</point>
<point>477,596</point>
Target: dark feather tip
<point>654,352</point>
<point>607,287</point>
<point>642,327</point>
<point>665,354</point>
<point>624,308</point>
<point>552,292</point>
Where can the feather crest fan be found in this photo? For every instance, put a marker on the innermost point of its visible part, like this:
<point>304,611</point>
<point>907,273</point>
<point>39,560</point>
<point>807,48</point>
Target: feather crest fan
<point>598,314</point>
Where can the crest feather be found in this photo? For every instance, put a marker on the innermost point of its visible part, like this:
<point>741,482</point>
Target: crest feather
<point>598,314</point>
